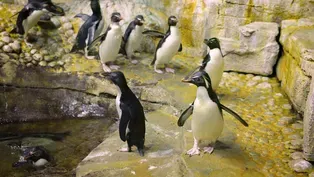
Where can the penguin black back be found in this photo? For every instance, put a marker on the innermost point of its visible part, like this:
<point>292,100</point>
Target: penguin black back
<point>132,114</point>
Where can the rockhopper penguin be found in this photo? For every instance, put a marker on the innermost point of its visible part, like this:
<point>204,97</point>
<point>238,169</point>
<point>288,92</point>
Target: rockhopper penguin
<point>207,120</point>
<point>213,63</point>
<point>133,37</point>
<point>31,13</point>
<point>90,30</point>
<point>110,42</point>
<point>168,46</point>
<point>131,113</point>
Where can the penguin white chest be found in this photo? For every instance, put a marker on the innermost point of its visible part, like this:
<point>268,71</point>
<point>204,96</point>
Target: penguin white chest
<point>118,102</point>
<point>170,47</point>
<point>207,121</point>
<point>32,20</point>
<point>134,40</point>
<point>215,67</point>
<point>109,48</point>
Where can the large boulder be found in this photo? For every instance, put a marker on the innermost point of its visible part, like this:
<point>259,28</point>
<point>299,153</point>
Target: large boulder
<point>256,51</point>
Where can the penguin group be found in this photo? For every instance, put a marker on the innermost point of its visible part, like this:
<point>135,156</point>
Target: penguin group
<point>206,110</point>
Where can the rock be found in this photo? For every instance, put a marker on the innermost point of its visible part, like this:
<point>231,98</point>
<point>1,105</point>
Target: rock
<point>16,46</point>
<point>38,57</point>
<point>52,64</point>
<point>29,64</point>
<point>60,63</point>
<point>42,63</point>
<point>286,106</point>
<point>297,126</point>
<point>308,122</point>
<point>56,22</point>
<point>264,85</point>
<point>7,49</point>
<point>67,26</point>
<point>296,155</point>
<point>4,57</point>
<point>296,64</point>
<point>33,51</point>
<point>6,39</point>
<point>251,83</point>
<point>48,58</point>
<point>300,165</point>
<point>44,52</point>
<point>257,50</point>
<point>286,120</point>
<point>1,44</point>
<point>311,174</point>
<point>69,33</point>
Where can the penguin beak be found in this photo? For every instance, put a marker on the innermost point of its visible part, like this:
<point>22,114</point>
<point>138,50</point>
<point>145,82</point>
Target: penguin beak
<point>186,80</point>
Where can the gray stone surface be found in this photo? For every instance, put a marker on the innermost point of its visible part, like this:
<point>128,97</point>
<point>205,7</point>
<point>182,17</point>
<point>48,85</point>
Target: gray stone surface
<point>308,144</point>
<point>255,52</point>
<point>301,165</point>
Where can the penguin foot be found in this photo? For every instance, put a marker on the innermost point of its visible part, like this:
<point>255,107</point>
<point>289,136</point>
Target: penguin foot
<point>170,70</point>
<point>208,149</point>
<point>106,68</point>
<point>90,57</point>
<point>114,67</point>
<point>134,62</point>
<point>193,151</point>
<point>159,71</point>
<point>125,150</point>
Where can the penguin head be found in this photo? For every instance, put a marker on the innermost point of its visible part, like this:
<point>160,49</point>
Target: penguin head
<point>172,21</point>
<point>95,7</point>
<point>116,17</point>
<point>199,78</point>
<point>117,78</point>
<point>139,20</point>
<point>50,7</point>
<point>212,43</point>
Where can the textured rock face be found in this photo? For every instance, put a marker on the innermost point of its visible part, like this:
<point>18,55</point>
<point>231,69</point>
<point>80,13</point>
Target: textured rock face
<point>295,69</point>
<point>255,52</point>
<point>296,65</point>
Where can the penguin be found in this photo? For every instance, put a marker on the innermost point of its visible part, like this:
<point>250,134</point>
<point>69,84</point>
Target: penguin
<point>90,30</point>
<point>131,113</point>
<point>207,118</point>
<point>213,63</point>
<point>168,46</point>
<point>133,37</point>
<point>31,13</point>
<point>110,43</point>
<point>36,156</point>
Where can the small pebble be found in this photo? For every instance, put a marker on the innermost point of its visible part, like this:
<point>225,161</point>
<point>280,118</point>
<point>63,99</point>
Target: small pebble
<point>296,155</point>
<point>257,78</point>
<point>300,165</point>
<point>6,39</point>
<point>33,51</point>
<point>37,57</point>
<point>67,26</point>
<point>42,63</point>
<point>297,126</point>
<point>264,85</point>
<point>286,106</point>
<point>7,49</point>
<point>52,64</point>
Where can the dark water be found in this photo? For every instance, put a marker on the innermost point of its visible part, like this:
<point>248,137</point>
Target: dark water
<point>85,135</point>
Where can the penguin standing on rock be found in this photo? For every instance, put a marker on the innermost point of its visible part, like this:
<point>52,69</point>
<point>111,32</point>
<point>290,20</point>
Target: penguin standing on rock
<point>207,120</point>
<point>213,63</point>
<point>168,46</point>
<point>133,37</point>
<point>131,113</point>
<point>31,13</point>
<point>90,30</point>
<point>110,43</point>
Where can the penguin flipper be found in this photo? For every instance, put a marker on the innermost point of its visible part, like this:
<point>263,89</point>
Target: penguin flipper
<point>99,39</point>
<point>122,47</point>
<point>22,15</point>
<point>82,16</point>
<point>160,43</point>
<point>154,33</point>
<point>124,121</point>
<point>205,61</point>
<point>234,114</point>
<point>185,115</point>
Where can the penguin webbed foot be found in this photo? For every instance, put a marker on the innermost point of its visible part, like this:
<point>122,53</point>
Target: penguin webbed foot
<point>105,68</point>
<point>126,149</point>
<point>193,151</point>
<point>133,61</point>
<point>208,149</point>
<point>169,70</point>
<point>141,152</point>
<point>114,67</point>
